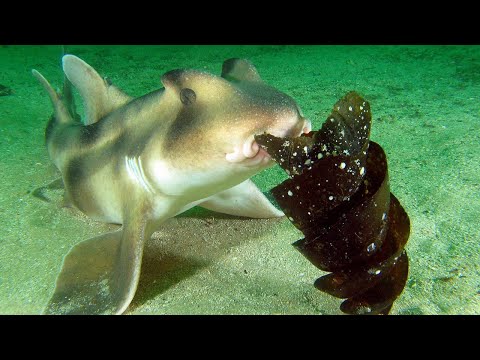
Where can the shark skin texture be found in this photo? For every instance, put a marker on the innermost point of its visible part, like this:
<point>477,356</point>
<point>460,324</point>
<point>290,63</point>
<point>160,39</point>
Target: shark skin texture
<point>139,161</point>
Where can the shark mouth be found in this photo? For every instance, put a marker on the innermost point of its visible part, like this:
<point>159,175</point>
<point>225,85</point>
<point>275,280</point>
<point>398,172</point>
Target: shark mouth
<point>251,154</point>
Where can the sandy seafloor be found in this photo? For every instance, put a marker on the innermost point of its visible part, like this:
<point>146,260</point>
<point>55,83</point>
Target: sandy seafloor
<point>425,102</point>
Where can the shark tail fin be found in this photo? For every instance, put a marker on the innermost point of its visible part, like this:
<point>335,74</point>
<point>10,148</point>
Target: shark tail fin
<point>62,114</point>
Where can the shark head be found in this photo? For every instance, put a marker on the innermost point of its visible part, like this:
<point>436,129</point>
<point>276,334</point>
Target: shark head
<point>215,119</point>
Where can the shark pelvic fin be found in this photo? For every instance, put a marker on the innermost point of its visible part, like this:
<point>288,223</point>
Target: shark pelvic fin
<point>244,199</point>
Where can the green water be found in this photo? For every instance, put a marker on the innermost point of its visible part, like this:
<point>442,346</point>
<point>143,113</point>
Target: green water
<point>425,102</point>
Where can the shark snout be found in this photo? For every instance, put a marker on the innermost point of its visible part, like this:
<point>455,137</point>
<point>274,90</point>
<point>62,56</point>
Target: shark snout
<point>304,126</point>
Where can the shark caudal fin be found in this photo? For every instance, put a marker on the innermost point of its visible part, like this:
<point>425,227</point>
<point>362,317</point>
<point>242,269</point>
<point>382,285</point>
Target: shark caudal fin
<point>99,96</point>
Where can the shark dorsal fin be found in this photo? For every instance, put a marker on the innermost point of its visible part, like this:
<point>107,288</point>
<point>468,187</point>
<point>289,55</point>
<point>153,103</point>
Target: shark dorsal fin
<point>239,70</point>
<point>99,96</point>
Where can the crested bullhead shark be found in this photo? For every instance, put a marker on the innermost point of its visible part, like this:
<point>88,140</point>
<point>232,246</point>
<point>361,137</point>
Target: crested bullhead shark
<point>139,161</point>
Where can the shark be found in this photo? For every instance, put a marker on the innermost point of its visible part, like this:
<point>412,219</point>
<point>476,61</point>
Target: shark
<point>139,161</point>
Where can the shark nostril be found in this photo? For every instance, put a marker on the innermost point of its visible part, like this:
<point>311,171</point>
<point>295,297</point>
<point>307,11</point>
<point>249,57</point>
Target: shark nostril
<point>307,127</point>
<point>254,148</point>
<point>250,147</point>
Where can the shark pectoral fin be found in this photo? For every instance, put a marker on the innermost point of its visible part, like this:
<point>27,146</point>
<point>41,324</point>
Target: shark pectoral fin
<point>100,97</point>
<point>83,286</point>
<point>244,199</point>
<point>100,275</point>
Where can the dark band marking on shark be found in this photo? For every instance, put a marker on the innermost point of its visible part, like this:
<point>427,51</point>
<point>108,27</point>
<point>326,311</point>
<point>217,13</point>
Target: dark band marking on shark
<point>49,128</point>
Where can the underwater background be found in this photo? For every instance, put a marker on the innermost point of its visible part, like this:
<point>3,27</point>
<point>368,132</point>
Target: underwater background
<point>425,103</point>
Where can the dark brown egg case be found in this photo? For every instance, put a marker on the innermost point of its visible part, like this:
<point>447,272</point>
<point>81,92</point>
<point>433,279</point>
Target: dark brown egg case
<point>338,195</point>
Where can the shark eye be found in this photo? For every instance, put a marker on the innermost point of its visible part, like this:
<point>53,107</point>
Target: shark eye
<point>187,96</point>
